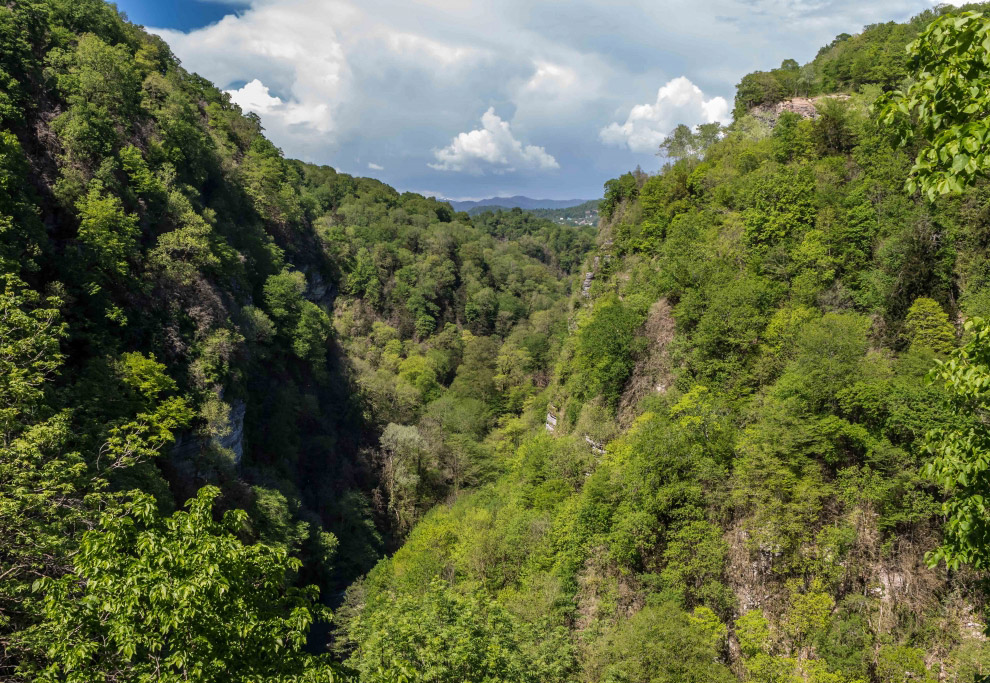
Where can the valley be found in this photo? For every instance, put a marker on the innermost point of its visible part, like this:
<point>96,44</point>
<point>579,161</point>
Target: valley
<point>263,420</point>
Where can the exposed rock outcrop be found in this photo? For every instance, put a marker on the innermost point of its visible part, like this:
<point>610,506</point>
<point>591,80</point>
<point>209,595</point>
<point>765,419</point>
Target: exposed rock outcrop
<point>234,441</point>
<point>190,444</point>
<point>805,107</point>
<point>653,372</point>
<point>551,423</point>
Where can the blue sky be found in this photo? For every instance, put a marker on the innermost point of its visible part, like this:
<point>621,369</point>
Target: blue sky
<point>183,15</point>
<point>468,99</point>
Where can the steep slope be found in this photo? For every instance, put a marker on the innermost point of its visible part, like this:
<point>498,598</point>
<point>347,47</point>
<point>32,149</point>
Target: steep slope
<point>689,452</point>
<point>216,314</point>
<point>723,480</point>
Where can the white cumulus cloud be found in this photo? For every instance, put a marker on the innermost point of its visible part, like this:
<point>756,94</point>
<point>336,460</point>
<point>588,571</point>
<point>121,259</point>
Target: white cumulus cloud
<point>375,167</point>
<point>409,44</point>
<point>295,70</point>
<point>255,96</point>
<point>493,146</point>
<point>343,82</point>
<point>679,101</point>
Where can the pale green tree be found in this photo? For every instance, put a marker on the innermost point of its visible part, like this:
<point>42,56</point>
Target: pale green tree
<point>961,462</point>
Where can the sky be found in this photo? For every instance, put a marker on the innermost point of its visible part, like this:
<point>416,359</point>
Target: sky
<point>465,100</point>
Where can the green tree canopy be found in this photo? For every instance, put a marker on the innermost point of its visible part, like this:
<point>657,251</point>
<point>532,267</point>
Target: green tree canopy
<point>439,636</point>
<point>947,103</point>
<point>178,598</point>
<point>961,463</point>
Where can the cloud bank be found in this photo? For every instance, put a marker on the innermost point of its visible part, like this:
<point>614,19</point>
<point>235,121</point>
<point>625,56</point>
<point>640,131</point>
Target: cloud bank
<point>402,82</point>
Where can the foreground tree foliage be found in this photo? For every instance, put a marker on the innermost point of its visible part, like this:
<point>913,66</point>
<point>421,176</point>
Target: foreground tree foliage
<point>946,103</point>
<point>173,599</point>
<point>99,585</point>
<point>40,486</point>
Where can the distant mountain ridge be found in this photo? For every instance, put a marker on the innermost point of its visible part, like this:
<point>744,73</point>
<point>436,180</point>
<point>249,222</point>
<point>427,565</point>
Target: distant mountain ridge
<point>517,201</point>
<point>585,213</point>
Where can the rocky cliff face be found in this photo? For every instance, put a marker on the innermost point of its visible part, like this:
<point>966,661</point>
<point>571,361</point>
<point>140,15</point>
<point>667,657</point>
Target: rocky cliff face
<point>805,107</point>
<point>234,441</point>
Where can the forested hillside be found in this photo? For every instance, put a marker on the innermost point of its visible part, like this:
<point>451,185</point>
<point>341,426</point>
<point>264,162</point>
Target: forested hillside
<point>726,476</point>
<point>188,318</point>
<point>701,441</point>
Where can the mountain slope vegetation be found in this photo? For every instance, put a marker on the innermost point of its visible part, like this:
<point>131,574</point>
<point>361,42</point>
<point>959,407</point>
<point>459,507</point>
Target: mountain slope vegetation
<point>191,320</point>
<point>724,479</point>
<point>695,443</point>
